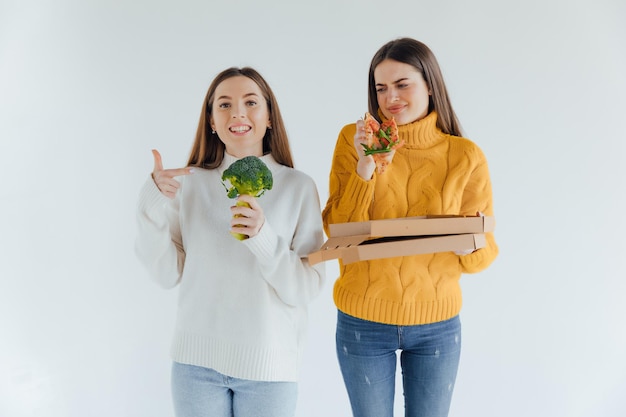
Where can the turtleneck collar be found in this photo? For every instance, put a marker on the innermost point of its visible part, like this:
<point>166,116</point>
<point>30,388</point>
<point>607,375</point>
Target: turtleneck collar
<point>421,134</point>
<point>268,159</point>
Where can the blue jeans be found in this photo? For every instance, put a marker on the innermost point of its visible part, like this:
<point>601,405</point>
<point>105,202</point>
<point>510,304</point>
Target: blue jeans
<point>429,359</point>
<point>199,391</point>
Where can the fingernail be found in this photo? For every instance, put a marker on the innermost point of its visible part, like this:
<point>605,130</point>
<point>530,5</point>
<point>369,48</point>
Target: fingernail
<point>192,170</point>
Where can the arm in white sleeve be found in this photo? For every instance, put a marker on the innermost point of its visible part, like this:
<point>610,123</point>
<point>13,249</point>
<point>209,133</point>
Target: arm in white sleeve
<point>158,243</point>
<point>284,264</point>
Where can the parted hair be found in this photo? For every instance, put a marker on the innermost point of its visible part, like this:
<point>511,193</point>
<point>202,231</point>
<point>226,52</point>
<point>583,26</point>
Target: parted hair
<point>208,150</point>
<point>417,54</point>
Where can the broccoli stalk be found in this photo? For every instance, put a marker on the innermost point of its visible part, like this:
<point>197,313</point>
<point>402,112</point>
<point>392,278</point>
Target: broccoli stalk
<point>248,175</point>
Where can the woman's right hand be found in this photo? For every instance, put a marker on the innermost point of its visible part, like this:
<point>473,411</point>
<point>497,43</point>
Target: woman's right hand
<point>366,165</point>
<point>164,178</point>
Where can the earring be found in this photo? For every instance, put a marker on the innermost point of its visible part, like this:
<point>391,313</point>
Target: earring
<point>212,131</point>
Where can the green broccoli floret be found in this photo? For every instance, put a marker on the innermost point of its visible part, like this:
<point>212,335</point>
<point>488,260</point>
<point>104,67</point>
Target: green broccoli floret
<point>248,175</point>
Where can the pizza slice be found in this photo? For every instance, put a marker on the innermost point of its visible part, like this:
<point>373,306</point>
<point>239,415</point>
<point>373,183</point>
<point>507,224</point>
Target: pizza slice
<point>381,140</point>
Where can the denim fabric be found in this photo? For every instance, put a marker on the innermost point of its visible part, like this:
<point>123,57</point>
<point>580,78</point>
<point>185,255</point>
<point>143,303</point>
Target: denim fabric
<point>199,391</point>
<point>429,360</point>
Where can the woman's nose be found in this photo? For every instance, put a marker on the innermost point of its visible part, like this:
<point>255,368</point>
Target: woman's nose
<point>237,111</point>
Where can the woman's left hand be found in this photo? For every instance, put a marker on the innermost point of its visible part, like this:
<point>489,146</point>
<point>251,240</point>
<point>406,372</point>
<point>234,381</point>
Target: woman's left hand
<point>247,220</point>
<point>468,251</point>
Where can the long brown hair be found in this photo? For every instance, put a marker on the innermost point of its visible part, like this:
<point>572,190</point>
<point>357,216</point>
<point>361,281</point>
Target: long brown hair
<point>418,55</point>
<point>208,150</point>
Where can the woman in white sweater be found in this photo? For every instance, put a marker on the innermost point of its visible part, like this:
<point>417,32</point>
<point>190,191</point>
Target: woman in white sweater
<point>242,309</point>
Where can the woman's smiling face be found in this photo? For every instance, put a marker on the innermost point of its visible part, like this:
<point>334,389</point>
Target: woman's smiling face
<point>240,116</point>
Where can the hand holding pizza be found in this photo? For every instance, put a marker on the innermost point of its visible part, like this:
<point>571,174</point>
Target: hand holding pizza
<point>380,141</point>
<point>366,164</point>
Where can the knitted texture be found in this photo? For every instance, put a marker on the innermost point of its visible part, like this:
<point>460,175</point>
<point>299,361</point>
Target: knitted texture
<point>433,173</point>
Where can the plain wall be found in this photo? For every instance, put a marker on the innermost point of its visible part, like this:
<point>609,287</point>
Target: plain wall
<point>88,88</point>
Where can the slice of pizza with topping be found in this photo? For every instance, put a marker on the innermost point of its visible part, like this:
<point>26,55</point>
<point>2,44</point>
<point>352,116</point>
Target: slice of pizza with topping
<point>381,140</point>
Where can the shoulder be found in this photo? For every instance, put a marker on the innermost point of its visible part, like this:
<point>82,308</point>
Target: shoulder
<point>348,130</point>
<point>346,137</point>
<point>284,173</point>
<point>294,177</point>
<point>467,146</point>
<point>293,186</point>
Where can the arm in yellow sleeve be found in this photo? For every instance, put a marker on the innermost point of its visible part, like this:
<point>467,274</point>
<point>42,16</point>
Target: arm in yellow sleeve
<point>477,197</point>
<point>350,197</point>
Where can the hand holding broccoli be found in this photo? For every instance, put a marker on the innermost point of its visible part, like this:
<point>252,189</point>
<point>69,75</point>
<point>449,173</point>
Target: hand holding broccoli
<point>247,178</point>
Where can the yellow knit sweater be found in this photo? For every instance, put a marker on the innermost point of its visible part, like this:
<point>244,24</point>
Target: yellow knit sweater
<point>433,173</point>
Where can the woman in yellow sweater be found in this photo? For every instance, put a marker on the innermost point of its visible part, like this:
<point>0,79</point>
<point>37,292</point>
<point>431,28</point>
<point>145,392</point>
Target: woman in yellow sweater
<point>409,304</point>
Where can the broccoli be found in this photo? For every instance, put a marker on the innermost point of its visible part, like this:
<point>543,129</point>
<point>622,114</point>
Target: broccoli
<point>248,175</point>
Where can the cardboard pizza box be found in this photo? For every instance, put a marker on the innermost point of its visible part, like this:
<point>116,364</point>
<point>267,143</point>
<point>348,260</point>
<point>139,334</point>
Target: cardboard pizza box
<point>375,239</point>
<point>416,226</point>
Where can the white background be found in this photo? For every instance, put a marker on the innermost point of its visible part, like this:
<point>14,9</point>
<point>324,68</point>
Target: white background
<point>87,88</point>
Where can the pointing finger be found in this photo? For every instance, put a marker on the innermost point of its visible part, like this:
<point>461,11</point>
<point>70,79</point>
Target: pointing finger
<point>179,171</point>
<point>158,164</point>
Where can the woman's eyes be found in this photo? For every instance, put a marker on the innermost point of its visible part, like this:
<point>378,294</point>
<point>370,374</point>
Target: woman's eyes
<point>225,105</point>
<point>399,86</point>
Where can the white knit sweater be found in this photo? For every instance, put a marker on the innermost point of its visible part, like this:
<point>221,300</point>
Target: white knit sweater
<point>242,307</point>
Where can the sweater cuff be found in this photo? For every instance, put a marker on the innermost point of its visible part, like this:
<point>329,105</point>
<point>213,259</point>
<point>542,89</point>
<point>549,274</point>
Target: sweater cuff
<point>263,245</point>
<point>482,258</point>
<point>358,196</point>
<point>150,197</point>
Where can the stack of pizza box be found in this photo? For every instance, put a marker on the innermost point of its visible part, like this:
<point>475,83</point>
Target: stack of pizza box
<point>375,239</point>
